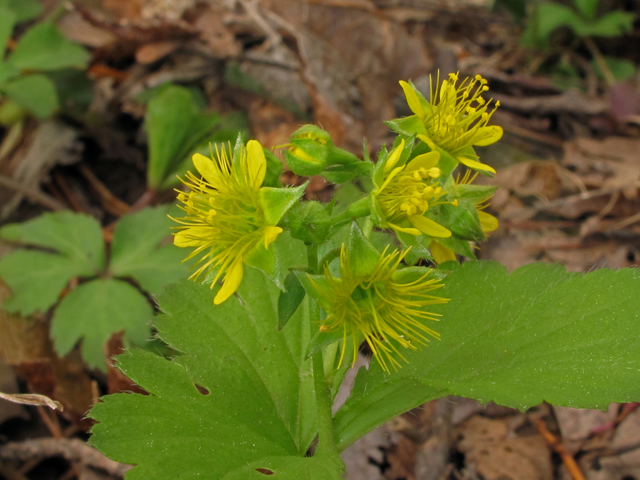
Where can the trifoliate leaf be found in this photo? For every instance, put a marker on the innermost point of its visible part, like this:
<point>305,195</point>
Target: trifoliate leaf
<point>539,334</point>
<point>43,47</point>
<point>237,404</point>
<point>36,279</point>
<point>134,251</point>
<point>75,236</point>
<point>95,310</point>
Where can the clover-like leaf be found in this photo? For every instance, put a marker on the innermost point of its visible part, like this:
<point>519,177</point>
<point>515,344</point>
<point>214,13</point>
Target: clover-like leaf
<point>43,47</point>
<point>539,334</point>
<point>237,404</point>
<point>36,93</point>
<point>95,310</point>
<point>36,278</point>
<point>135,252</point>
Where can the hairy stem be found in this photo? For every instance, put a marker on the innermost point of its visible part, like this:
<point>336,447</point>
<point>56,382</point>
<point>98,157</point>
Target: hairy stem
<point>326,437</point>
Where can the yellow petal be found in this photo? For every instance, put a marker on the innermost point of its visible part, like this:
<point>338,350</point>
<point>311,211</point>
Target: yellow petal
<point>256,167</point>
<point>207,169</point>
<point>429,227</point>
<point>428,141</point>
<point>394,157</point>
<point>231,282</point>
<point>441,253</point>
<point>410,231</point>
<point>488,135</point>
<point>389,178</point>
<point>488,222</point>
<point>475,165</point>
<point>192,237</point>
<point>412,99</point>
<point>270,234</point>
<point>426,160</point>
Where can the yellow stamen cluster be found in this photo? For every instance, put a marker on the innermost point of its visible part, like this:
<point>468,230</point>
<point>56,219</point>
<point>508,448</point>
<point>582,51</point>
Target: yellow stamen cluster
<point>458,115</point>
<point>408,192</point>
<point>386,310</point>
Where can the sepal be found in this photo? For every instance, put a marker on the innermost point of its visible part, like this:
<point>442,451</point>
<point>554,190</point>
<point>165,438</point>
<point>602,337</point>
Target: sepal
<point>277,201</point>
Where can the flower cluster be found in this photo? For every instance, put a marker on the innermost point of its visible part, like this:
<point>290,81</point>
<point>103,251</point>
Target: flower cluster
<point>415,196</point>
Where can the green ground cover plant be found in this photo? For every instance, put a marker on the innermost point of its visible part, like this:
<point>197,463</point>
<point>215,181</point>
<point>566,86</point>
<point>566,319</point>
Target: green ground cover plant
<point>286,290</point>
<point>61,246</point>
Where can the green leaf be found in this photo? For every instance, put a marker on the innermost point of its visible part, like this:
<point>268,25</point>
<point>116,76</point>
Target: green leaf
<point>309,222</point>
<point>587,7</point>
<point>7,21</point>
<point>25,9</point>
<point>94,311</point>
<point>7,71</point>
<point>539,334</point>
<point>43,47</point>
<point>36,279</point>
<point>290,299</point>
<point>613,24</point>
<point>620,68</point>
<point>176,127</point>
<point>76,236</point>
<point>257,410</point>
<point>135,252</point>
<point>362,255</point>
<point>548,17</point>
<point>462,220</point>
<point>36,93</point>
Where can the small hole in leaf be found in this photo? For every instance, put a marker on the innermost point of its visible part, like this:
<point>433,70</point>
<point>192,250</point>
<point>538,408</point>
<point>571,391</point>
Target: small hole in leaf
<point>264,471</point>
<point>202,390</point>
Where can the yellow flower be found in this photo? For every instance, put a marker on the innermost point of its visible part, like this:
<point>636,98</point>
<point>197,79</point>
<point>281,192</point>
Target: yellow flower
<point>407,192</point>
<point>386,306</point>
<point>455,118</point>
<point>225,219</point>
<point>488,223</point>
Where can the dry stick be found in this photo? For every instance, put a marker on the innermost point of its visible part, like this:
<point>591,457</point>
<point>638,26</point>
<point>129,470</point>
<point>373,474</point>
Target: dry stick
<point>602,63</point>
<point>73,450</point>
<point>35,195</point>
<point>553,441</point>
<point>110,202</point>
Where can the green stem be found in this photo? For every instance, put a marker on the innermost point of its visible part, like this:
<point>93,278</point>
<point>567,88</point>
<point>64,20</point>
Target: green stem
<point>312,258</point>
<point>326,437</point>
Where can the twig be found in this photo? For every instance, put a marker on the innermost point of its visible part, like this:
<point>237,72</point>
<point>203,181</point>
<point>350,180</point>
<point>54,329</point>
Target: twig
<point>555,443</point>
<point>602,63</point>
<point>35,195</point>
<point>32,399</point>
<point>68,193</point>
<point>73,450</point>
<point>110,202</point>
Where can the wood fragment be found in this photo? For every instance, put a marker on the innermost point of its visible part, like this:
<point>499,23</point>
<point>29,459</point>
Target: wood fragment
<point>73,450</point>
<point>558,447</point>
<point>34,195</point>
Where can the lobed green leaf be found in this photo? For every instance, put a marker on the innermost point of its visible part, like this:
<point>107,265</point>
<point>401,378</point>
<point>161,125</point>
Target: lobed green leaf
<point>539,334</point>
